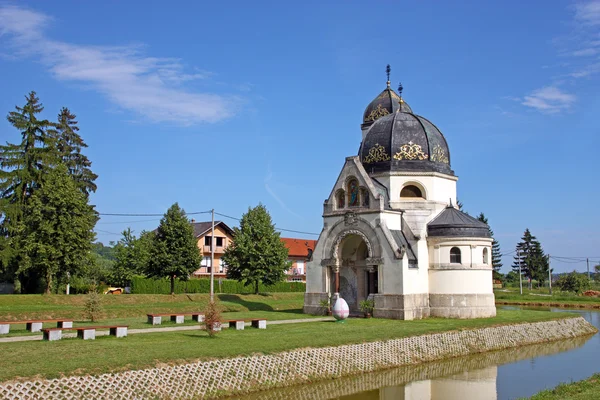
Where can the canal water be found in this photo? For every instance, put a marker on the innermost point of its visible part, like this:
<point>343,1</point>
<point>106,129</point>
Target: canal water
<point>500,375</point>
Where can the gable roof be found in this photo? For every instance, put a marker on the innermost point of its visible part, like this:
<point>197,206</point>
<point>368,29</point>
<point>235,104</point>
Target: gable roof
<point>299,247</point>
<point>200,228</point>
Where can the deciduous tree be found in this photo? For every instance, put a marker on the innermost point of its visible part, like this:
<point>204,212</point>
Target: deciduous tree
<point>257,253</point>
<point>174,251</point>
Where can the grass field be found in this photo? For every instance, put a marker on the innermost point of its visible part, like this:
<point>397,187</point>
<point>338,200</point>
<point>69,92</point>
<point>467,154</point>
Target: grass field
<point>588,389</point>
<point>105,354</point>
<point>541,297</point>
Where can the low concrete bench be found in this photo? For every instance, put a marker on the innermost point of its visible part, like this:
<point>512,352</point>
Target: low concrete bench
<point>85,332</point>
<point>35,325</point>
<point>240,324</point>
<point>178,318</point>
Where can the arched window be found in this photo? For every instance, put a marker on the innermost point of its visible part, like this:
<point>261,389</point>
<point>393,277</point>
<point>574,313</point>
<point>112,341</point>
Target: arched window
<point>411,191</point>
<point>364,194</point>
<point>341,199</point>
<point>485,255</point>
<point>353,200</point>
<point>455,255</point>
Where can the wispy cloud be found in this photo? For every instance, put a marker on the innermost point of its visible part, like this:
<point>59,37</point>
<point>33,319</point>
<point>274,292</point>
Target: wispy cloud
<point>149,86</point>
<point>549,99</point>
<point>580,52</point>
<point>588,12</point>
<point>273,194</point>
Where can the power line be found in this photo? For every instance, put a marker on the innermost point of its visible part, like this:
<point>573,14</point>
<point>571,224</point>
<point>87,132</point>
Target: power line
<point>127,222</point>
<point>147,215</point>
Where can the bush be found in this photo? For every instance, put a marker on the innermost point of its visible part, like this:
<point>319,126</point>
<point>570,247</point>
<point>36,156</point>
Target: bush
<point>140,285</point>
<point>92,308</point>
<point>573,282</point>
<point>212,318</point>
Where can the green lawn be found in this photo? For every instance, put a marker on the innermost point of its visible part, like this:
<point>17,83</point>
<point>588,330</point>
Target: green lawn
<point>540,297</point>
<point>588,389</point>
<point>18,307</point>
<point>75,356</point>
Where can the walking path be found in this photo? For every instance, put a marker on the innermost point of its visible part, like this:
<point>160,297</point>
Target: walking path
<point>159,330</point>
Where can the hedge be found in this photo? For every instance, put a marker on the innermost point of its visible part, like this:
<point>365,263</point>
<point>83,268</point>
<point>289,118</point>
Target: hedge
<point>141,285</point>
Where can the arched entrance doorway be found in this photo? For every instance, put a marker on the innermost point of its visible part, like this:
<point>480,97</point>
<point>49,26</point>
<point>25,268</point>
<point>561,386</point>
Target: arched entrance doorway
<point>357,279</point>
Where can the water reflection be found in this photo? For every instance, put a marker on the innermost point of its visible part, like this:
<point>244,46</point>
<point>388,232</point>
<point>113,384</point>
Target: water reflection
<point>473,377</point>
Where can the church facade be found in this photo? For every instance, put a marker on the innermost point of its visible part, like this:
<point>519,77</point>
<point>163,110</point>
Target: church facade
<point>391,232</point>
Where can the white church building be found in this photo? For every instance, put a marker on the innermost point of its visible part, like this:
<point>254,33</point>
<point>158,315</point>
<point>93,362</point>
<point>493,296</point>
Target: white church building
<point>391,230</point>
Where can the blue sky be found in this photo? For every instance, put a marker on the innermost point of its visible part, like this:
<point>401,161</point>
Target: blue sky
<point>225,107</point>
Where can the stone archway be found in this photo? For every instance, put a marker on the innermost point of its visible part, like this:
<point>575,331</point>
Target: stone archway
<point>353,252</point>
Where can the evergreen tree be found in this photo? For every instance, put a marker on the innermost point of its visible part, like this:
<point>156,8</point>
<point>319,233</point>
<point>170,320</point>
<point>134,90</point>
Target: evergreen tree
<point>257,253</point>
<point>174,251</point>
<point>496,254</point>
<point>132,256</point>
<point>533,261</point>
<point>68,144</point>
<point>21,167</point>
<point>59,223</point>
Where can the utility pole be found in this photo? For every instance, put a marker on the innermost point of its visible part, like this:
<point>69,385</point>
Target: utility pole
<point>549,274</point>
<point>520,277</point>
<point>212,257</point>
<point>588,266</point>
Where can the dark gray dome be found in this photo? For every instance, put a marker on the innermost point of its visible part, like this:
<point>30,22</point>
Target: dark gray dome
<point>388,102</point>
<point>455,223</point>
<point>403,141</point>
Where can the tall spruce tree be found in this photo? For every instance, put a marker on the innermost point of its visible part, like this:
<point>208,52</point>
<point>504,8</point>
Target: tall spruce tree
<point>257,254</point>
<point>496,254</point>
<point>59,225</point>
<point>68,145</point>
<point>21,167</point>
<point>534,263</point>
<point>174,252</point>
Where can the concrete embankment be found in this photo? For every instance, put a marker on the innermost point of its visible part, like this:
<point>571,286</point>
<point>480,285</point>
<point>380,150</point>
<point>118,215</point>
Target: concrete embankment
<point>240,374</point>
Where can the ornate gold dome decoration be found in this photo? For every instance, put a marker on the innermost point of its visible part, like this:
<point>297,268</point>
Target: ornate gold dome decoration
<point>410,151</point>
<point>377,153</point>
<point>439,155</point>
<point>377,113</point>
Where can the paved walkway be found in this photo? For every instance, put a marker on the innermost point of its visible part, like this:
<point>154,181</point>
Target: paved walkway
<point>158,330</point>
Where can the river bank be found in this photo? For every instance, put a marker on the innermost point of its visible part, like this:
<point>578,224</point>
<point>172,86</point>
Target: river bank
<point>257,372</point>
<point>587,389</point>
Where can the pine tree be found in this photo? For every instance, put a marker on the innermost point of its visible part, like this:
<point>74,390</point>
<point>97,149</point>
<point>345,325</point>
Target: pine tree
<point>174,252</point>
<point>496,253</point>
<point>68,145</point>
<point>530,256</point>
<point>59,225</point>
<point>21,168</point>
<point>257,254</point>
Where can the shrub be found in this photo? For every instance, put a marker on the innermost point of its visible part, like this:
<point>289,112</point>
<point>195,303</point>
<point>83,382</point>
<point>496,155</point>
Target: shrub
<point>212,317</point>
<point>92,308</point>
<point>573,282</point>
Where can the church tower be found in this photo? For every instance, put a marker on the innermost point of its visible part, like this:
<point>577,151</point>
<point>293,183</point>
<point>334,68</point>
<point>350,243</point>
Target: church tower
<point>390,230</point>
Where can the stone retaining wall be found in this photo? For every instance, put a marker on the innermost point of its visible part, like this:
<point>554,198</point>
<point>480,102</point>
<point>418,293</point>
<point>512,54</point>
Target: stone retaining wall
<point>210,378</point>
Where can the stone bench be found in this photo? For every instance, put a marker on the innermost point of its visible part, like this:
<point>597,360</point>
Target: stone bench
<point>85,332</point>
<point>239,324</point>
<point>35,325</point>
<point>178,318</point>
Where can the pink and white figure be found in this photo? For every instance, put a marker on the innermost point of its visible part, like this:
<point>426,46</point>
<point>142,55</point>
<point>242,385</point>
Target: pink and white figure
<point>340,309</point>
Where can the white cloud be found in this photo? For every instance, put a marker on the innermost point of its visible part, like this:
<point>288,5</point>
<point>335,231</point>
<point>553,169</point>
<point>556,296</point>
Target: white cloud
<point>148,86</point>
<point>590,51</point>
<point>549,99</point>
<point>588,12</point>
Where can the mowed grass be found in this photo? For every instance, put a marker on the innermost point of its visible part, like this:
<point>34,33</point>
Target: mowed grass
<point>541,297</point>
<point>588,389</point>
<point>131,310</point>
<point>20,307</point>
<point>109,354</point>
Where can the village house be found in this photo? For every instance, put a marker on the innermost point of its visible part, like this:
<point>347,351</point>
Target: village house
<point>299,251</point>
